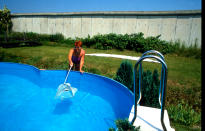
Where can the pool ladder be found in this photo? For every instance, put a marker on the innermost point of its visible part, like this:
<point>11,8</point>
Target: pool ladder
<point>163,83</point>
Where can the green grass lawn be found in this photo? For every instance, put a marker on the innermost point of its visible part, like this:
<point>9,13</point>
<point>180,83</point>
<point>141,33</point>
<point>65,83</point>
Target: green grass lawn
<point>184,73</point>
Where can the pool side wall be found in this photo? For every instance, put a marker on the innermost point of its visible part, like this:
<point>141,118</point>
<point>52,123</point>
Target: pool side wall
<point>118,95</point>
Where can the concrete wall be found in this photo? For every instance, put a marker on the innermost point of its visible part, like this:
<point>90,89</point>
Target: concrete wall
<point>172,25</point>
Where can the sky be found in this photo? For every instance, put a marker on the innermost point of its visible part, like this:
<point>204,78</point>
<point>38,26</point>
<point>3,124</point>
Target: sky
<point>56,6</point>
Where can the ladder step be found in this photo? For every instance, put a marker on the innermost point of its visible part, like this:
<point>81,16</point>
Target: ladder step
<point>148,118</point>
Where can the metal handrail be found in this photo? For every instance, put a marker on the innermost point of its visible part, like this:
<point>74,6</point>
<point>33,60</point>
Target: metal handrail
<point>164,81</point>
<point>162,71</point>
<point>154,52</point>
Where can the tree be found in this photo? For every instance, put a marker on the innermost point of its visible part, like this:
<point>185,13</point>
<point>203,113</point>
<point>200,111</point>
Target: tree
<point>5,22</point>
<point>124,74</point>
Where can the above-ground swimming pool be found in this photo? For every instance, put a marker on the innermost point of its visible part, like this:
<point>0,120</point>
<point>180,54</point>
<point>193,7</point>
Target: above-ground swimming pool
<point>27,100</point>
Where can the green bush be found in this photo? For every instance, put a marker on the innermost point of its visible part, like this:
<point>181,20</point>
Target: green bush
<point>100,42</point>
<point>22,36</point>
<point>183,114</point>
<point>124,74</point>
<point>150,83</point>
<point>124,125</point>
<point>88,41</point>
<point>56,37</point>
<point>31,36</point>
<point>134,41</point>
<point>154,43</point>
<point>26,36</point>
<point>99,46</point>
<point>19,39</point>
<point>138,43</point>
<point>69,41</point>
<point>12,44</point>
<point>149,89</point>
<point>16,36</point>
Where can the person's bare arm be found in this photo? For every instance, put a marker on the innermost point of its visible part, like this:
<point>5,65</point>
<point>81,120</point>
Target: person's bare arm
<point>82,61</point>
<point>70,57</point>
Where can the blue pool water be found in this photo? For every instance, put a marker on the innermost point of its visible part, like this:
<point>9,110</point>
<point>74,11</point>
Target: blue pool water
<point>27,100</point>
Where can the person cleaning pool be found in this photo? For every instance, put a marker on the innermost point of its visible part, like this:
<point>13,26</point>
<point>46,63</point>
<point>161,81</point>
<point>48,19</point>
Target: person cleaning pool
<point>76,60</point>
<point>76,57</point>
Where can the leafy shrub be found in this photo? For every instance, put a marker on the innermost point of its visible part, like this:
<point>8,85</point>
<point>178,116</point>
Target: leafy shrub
<point>184,114</point>
<point>134,41</point>
<point>43,37</point>
<point>12,44</point>
<point>154,43</point>
<point>16,36</point>
<point>56,37</point>
<point>17,39</point>
<point>69,41</point>
<point>31,36</point>
<point>26,36</point>
<point>102,42</point>
<point>124,74</point>
<point>88,41</point>
<point>124,125</point>
<point>99,46</point>
<point>121,42</point>
<point>19,36</point>
<point>137,42</point>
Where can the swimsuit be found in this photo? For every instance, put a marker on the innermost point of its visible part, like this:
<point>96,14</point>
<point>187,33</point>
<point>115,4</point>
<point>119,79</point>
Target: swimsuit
<point>76,60</point>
